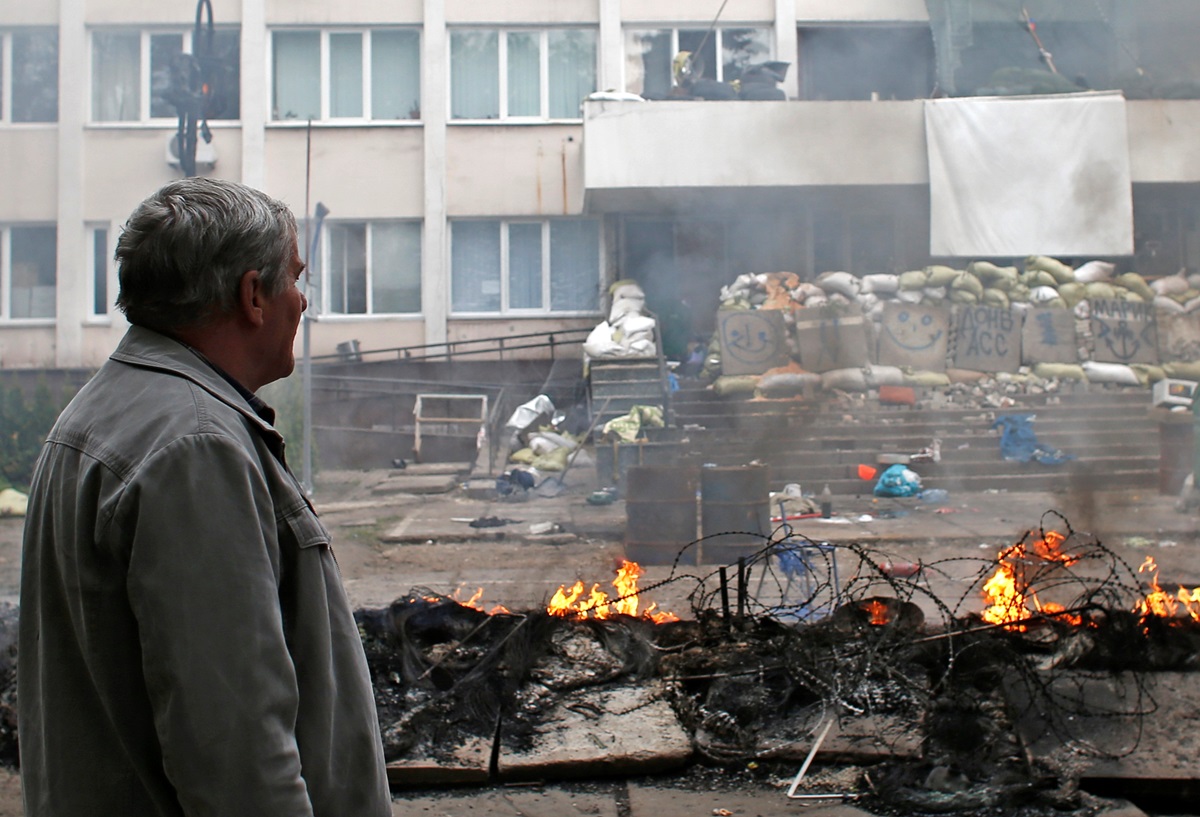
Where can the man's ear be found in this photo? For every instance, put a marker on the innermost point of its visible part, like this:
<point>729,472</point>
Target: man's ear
<point>251,295</point>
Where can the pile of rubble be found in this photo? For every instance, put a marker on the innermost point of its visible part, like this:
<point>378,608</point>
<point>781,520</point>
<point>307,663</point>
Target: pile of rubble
<point>803,650</point>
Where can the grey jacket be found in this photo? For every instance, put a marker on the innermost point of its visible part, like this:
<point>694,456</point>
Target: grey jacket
<point>186,647</point>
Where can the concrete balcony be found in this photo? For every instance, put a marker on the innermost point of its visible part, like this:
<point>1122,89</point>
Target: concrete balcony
<point>646,155</point>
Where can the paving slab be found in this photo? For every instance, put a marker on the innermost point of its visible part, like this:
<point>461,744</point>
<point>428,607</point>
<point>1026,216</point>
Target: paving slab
<point>601,731</point>
<point>507,802</point>
<point>652,801</point>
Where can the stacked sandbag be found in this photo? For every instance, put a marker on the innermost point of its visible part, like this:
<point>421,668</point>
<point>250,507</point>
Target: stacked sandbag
<point>628,332</point>
<point>1041,281</point>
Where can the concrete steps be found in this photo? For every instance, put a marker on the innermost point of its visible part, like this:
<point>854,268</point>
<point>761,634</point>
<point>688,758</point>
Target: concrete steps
<point>1110,433</point>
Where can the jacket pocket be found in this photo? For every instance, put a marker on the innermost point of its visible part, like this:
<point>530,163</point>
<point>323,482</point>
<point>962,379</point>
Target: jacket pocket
<point>306,527</point>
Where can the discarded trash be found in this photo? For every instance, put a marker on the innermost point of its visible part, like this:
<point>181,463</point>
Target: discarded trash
<point>13,502</point>
<point>490,522</point>
<point>538,528</point>
<point>1018,443</point>
<point>867,472</point>
<point>515,480</point>
<point>900,570</point>
<point>934,495</point>
<point>605,496</point>
<point>931,453</point>
<point>826,502</point>
<point>898,481</point>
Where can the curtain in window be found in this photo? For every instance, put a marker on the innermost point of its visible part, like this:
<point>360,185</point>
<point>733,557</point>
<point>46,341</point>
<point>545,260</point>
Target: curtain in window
<point>574,265</point>
<point>35,75</point>
<point>396,267</point>
<point>345,75</point>
<point>395,75</point>
<point>297,75</point>
<point>572,57</point>
<point>525,266</point>
<point>116,60</point>
<point>348,269</point>
<point>524,74</point>
<point>475,266</point>
<point>34,263</point>
<point>164,49</point>
<point>648,63</point>
<point>474,75</point>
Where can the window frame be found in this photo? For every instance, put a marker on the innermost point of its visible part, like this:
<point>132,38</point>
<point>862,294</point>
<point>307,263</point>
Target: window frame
<point>6,78</point>
<point>321,285</point>
<point>546,310</point>
<point>110,272</point>
<point>502,32</point>
<point>6,274</point>
<point>145,74</point>
<point>367,42</point>
<point>675,28</point>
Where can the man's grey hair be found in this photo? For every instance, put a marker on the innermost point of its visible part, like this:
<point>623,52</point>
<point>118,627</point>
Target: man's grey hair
<point>183,251</point>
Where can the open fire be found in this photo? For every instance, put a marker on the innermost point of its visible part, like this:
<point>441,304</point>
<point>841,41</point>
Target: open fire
<point>1012,602</point>
<point>595,603</point>
<point>579,603</point>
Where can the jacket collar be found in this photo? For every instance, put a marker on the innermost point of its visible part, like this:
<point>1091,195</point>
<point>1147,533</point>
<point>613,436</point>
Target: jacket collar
<point>148,349</point>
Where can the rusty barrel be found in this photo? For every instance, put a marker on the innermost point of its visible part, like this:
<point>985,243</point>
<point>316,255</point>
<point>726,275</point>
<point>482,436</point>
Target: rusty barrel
<point>735,511</point>
<point>660,507</point>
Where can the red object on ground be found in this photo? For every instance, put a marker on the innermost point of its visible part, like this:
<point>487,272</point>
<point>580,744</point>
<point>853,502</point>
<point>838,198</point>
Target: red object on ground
<point>900,570</point>
<point>867,472</point>
<point>898,395</point>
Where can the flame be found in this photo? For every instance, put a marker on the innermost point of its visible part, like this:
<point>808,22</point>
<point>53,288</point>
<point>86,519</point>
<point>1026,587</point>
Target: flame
<point>594,603</point>
<point>1010,600</point>
<point>878,612</point>
<point>474,601</point>
<point>1159,602</point>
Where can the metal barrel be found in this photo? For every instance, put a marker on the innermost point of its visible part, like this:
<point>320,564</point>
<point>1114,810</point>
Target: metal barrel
<point>660,507</point>
<point>735,512</point>
<point>614,459</point>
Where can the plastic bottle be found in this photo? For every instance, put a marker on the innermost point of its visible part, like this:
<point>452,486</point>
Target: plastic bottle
<point>826,498</point>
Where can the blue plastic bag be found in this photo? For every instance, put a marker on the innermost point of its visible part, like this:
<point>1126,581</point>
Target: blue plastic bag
<point>898,481</point>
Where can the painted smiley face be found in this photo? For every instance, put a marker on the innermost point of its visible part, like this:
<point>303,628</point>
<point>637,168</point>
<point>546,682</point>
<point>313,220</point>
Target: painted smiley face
<point>913,331</point>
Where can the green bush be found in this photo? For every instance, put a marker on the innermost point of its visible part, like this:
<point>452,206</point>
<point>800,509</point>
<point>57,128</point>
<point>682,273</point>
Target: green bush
<point>25,422</point>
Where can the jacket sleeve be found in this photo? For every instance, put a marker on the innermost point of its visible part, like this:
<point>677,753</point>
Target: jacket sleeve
<point>203,582</point>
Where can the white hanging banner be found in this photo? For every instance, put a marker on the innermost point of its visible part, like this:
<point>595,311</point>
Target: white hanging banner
<point>1026,175</point>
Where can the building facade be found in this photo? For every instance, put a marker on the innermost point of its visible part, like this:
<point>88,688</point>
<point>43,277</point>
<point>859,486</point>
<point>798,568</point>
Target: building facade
<point>453,184</point>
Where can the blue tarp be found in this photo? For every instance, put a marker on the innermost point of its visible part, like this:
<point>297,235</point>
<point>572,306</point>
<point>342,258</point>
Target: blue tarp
<point>1018,443</point>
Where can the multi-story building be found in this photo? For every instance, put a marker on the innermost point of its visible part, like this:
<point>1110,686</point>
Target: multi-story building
<point>470,192</point>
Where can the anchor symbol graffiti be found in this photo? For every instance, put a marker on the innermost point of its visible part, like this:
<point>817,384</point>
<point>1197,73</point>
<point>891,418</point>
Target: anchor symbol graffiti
<point>1121,340</point>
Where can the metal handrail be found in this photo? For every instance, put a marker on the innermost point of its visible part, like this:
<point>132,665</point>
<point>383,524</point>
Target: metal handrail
<point>450,349</point>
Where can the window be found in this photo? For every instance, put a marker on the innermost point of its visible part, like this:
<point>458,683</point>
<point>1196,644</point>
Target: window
<point>372,75</point>
<point>525,266</point>
<point>859,62</point>
<point>373,268</point>
<point>521,74</point>
<point>649,54</point>
<point>98,265</point>
<point>29,75</point>
<point>28,269</point>
<point>132,74</point>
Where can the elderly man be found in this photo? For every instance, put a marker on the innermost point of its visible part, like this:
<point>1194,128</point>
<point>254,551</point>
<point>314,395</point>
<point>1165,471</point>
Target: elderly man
<point>186,645</point>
